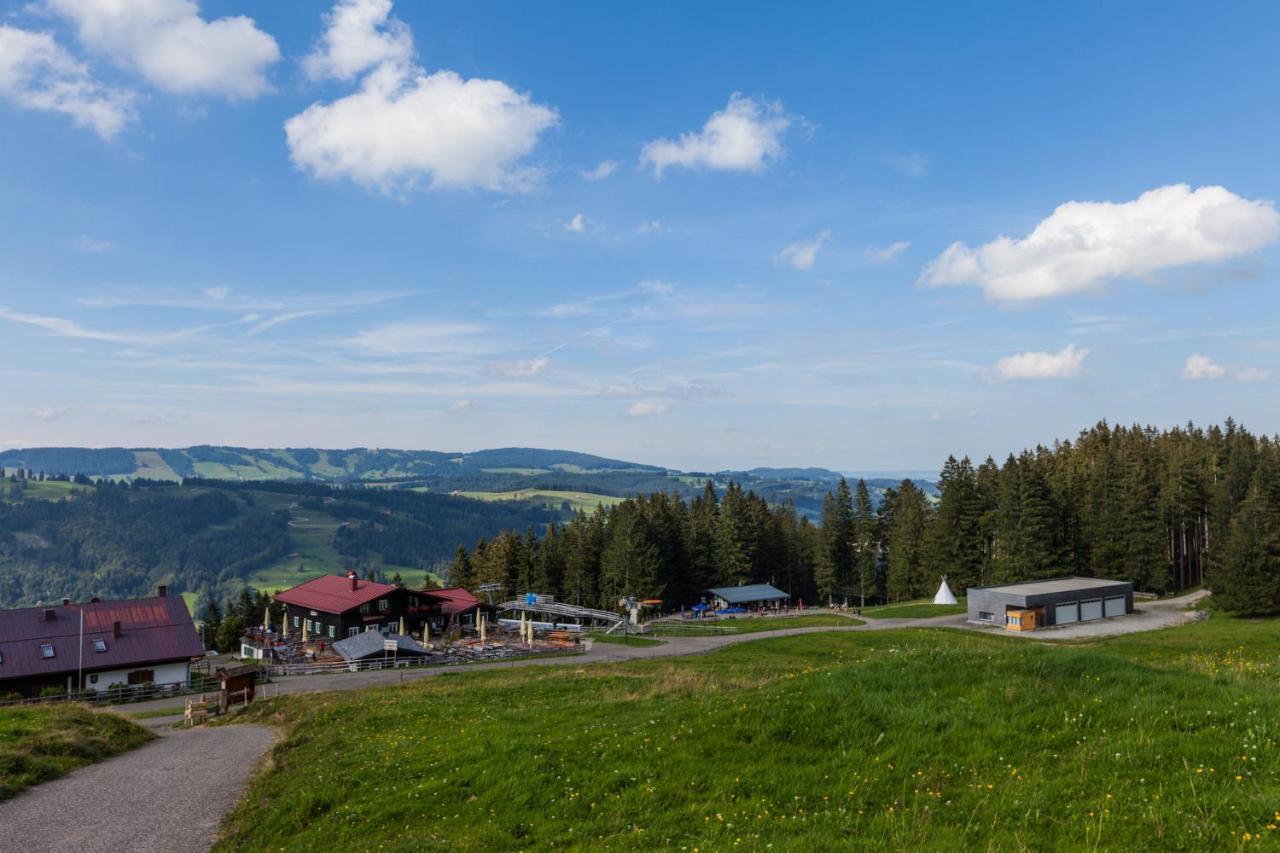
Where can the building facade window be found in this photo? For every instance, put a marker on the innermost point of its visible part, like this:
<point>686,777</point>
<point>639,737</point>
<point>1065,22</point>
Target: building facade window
<point>383,604</point>
<point>297,621</point>
<point>986,616</point>
<point>46,650</point>
<point>333,632</point>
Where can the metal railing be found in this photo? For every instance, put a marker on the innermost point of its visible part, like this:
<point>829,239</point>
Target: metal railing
<point>278,670</point>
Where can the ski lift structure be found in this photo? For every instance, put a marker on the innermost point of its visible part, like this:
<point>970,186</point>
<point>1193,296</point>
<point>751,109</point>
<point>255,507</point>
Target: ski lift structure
<point>551,615</point>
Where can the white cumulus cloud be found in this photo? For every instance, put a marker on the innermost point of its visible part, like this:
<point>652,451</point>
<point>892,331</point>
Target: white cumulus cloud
<point>36,73</point>
<point>1083,245</point>
<point>744,136</point>
<point>173,48</point>
<point>1063,364</point>
<point>403,125</point>
<point>360,34</point>
<point>1202,367</point>
<point>577,224</point>
<point>804,253</point>
<point>647,408</point>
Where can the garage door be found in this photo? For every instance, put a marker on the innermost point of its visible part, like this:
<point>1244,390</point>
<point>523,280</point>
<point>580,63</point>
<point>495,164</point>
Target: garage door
<point>1090,610</point>
<point>1065,614</point>
<point>1115,606</point>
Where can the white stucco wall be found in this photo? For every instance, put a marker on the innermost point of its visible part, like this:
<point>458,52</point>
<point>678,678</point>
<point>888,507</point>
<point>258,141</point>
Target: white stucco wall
<point>165,673</point>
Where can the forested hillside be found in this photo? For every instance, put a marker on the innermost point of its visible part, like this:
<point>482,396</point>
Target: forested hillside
<point>1167,510</point>
<point>80,539</point>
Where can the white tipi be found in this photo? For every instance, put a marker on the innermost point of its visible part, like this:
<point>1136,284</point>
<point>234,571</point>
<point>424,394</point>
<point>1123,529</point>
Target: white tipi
<point>944,595</point>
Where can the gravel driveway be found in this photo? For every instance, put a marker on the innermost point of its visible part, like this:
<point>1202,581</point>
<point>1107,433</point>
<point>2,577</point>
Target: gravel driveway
<point>168,796</point>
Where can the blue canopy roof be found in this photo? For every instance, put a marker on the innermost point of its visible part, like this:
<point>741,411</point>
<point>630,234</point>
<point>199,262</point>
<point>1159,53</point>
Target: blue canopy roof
<point>749,593</point>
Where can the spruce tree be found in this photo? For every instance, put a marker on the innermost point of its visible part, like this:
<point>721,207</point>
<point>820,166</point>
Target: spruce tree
<point>1247,580</point>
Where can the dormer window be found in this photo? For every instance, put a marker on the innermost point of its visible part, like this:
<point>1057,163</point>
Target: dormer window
<point>46,650</point>
<point>99,646</point>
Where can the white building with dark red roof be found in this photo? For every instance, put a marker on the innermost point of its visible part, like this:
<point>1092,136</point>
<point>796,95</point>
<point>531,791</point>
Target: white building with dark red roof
<point>97,644</point>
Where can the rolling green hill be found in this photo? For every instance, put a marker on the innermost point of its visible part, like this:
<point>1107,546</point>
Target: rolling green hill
<point>486,474</point>
<point>205,537</point>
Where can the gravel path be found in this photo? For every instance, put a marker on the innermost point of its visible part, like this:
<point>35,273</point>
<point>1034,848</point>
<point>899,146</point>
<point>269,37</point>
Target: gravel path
<point>168,796</point>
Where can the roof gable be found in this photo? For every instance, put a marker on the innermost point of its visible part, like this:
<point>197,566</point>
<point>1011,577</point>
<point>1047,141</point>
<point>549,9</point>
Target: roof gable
<point>152,630</point>
<point>333,593</point>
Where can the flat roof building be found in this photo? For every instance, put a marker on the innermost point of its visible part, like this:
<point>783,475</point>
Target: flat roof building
<point>744,596</point>
<point>1053,601</point>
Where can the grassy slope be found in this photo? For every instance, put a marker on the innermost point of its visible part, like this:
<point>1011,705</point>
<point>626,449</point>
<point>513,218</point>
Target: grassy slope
<point>923,609</point>
<point>38,743</point>
<point>890,740</point>
<point>51,490</point>
<point>312,535</point>
<point>755,624</point>
<point>587,501</point>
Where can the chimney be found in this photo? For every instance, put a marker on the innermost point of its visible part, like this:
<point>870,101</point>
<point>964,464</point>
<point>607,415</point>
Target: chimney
<point>65,601</point>
<point>50,614</point>
<point>355,580</point>
<point>161,591</point>
<point>115,629</point>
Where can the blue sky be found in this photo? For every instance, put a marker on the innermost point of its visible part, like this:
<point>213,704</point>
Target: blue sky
<point>701,235</point>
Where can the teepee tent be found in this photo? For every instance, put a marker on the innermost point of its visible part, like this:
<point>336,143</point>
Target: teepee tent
<point>944,595</point>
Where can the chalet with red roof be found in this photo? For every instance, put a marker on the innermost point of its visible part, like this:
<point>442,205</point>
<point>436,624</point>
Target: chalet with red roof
<point>96,644</point>
<point>334,607</point>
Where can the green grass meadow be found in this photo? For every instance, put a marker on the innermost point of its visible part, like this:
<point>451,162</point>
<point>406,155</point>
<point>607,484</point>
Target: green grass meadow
<point>43,742</point>
<point>311,532</point>
<point>584,501</point>
<point>752,624</point>
<point>890,740</point>
<point>923,609</point>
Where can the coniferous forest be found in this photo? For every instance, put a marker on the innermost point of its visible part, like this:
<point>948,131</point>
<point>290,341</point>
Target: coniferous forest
<point>1168,510</point>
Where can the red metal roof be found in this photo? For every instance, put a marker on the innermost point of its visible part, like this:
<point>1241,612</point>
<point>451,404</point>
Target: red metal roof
<point>153,630</point>
<point>333,593</point>
<point>454,599</point>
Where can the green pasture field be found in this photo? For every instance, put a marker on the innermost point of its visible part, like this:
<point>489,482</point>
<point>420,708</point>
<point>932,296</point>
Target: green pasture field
<point>923,609</point>
<point>586,501</point>
<point>312,534</point>
<point>48,490</point>
<point>894,740</point>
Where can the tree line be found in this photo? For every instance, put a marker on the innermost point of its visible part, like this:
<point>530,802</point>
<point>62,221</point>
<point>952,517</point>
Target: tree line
<point>1167,510</point>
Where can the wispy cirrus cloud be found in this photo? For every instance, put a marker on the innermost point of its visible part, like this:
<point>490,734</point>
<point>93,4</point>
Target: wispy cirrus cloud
<point>422,338</point>
<point>66,328</point>
<point>803,254</point>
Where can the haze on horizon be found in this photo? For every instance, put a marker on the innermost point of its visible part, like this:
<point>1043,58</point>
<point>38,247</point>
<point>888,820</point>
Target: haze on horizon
<point>707,237</point>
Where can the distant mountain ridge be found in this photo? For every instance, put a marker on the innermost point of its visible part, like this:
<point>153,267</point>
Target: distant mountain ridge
<point>293,463</point>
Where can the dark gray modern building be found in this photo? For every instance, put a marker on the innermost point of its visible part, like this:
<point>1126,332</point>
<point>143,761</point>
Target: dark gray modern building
<point>1055,601</point>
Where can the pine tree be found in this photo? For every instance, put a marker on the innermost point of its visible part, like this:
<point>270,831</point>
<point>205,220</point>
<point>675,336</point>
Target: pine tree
<point>1247,579</point>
